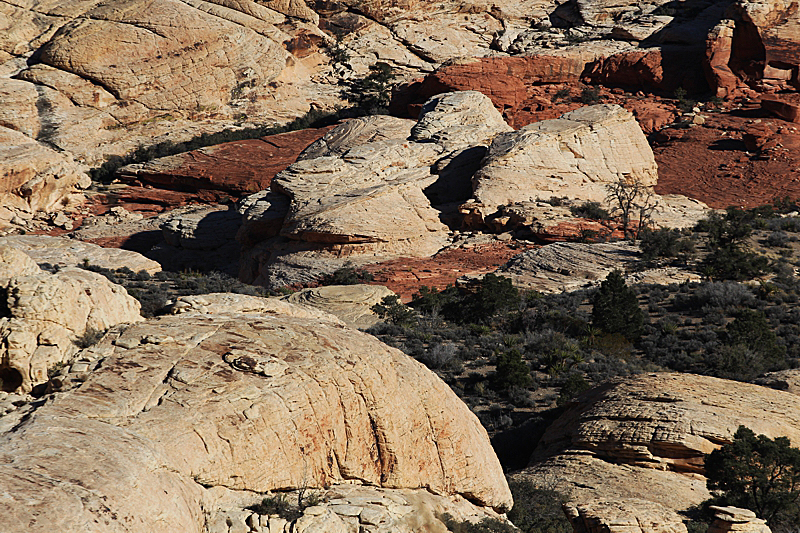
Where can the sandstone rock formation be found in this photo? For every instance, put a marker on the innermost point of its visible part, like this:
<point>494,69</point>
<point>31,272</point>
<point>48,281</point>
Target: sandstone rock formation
<point>351,303</point>
<point>736,519</point>
<point>625,516</point>
<point>42,315</point>
<point>185,406</point>
<point>567,266</point>
<point>355,508</point>
<point>645,436</point>
<point>238,168</point>
<point>35,178</point>
<point>63,252</point>
<point>574,156</point>
<point>371,201</point>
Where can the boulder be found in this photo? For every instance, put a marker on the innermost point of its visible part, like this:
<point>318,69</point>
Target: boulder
<point>782,107</point>
<point>64,252</point>
<point>351,303</point>
<point>574,156</point>
<point>735,519</point>
<point>194,404</point>
<point>646,436</point>
<point>631,515</point>
<point>355,132</point>
<point>43,315</point>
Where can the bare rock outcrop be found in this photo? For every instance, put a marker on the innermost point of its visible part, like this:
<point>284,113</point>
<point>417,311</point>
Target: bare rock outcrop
<point>36,178</point>
<point>735,519</point>
<point>567,266</point>
<point>42,315</point>
<point>63,252</point>
<point>184,406</point>
<point>574,156</point>
<point>351,303</point>
<point>645,436</point>
<point>363,196</point>
<point>623,516</point>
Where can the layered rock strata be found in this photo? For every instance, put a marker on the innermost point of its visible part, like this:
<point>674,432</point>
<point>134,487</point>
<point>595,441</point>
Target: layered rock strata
<point>645,436</point>
<point>625,516</point>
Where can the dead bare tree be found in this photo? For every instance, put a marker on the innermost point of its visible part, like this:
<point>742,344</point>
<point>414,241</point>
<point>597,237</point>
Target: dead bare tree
<point>630,199</point>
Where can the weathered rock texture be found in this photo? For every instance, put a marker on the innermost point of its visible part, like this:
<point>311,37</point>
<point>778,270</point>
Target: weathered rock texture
<point>355,508</point>
<point>63,252</point>
<point>43,314</point>
<point>35,178</point>
<point>735,519</point>
<point>351,303</point>
<point>645,436</point>
<point>238,168</point>
<point>364,193</point>
<point>244,402</point>
<point>574,156</point>
<point>566,266</point>
<point>624,516</point>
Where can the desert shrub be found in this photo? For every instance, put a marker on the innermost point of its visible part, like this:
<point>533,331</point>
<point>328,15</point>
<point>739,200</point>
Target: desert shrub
<point>440,356</point>
<point>574,385</point>
<point>685,104</point>
<point>590,95</point>
<point>562,95</point>
<point>777,239</point>
<point>475,304</point>
<point>347,275</point>
<point>371,93</point>
<point>487,525</point>
<point>394,312</point>
<point>590,210</point>
<point>715,295</point>
<point>90,337</point>
<point>511,371</point>
<point>615,308</point>
<point>760,474</point>
<point>664,242</point>
<point>537,510</point>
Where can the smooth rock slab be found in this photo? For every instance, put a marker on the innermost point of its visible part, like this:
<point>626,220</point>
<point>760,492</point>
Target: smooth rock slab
<point>576,156</point>
<point>156,423</point>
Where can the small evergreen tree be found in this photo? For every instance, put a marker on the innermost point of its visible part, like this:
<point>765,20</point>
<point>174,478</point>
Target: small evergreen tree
<point>615,308</point>
<point>511,371</point>
<point>757,473</point>
<point>373,92</point>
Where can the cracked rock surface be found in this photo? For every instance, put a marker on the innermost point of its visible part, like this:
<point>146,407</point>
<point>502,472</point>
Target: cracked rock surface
<point>249,402</point>
<point>646,435</point>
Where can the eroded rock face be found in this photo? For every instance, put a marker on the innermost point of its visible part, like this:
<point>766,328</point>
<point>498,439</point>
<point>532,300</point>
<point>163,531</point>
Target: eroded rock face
<point>351,303</point>
<point>63,252</point>
<point>736,519</point>
<point>645,436</point>
<point>42,315</point>
<point>243,402</point>
<point>363,193</point>
<point>625,516</point>
<point>35,178</point>
<point>574,156</point>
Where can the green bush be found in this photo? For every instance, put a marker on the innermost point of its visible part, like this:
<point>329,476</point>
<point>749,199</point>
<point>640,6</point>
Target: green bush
<point>760,474</point>
<point>511,371</point>
<point>615,308</point>
<point>373,92</point>
<point>394,312</point>
<point>664,242</point>
<point>590,210</point>
<point>590,95</point>
<point>347,275</point>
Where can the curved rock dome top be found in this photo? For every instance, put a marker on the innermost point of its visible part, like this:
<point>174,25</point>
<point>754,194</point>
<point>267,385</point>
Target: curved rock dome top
<point>248,402</point>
